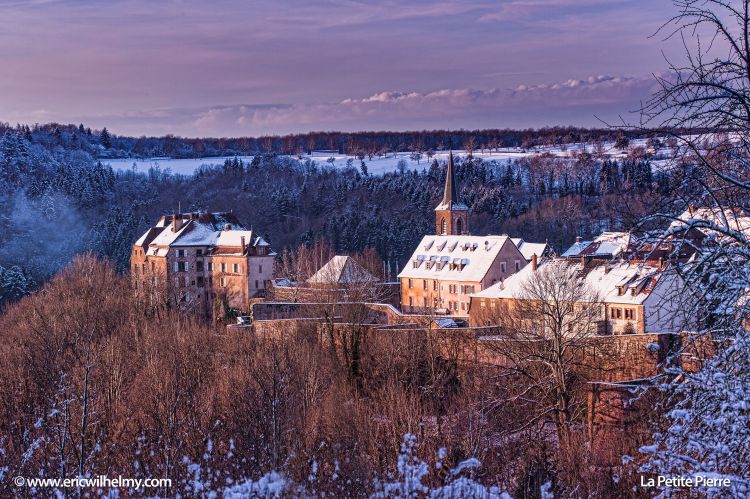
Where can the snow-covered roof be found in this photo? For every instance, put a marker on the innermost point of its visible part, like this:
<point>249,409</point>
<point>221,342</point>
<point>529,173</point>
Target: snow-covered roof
<point>606,244</point>
<point>528,249</point>
<point>210,230</point>
<point>464,258</point>
<point>167,236</point>
<point>620,282</point>
<point>197,234</point>
<point>149,235</point>
<point>341,270</point>
<point>726,218</point>
<point>576,249</point>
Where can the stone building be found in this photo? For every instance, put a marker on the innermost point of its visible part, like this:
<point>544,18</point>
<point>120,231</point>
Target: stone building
<point>447,267</point>
<point>633,297</point>
<point>202,261</point>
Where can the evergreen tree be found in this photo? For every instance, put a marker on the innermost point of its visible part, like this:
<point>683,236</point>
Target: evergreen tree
<point>105,138</point>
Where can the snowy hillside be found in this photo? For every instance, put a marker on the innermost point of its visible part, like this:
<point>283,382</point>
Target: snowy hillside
<point>378,164</point>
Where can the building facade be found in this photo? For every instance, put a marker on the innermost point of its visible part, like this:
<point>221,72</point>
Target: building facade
<point>201,262</point>
<point>633,295</point>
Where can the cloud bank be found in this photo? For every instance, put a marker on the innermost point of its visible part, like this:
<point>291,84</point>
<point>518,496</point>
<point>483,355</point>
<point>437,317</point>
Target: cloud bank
<point>574,101</point>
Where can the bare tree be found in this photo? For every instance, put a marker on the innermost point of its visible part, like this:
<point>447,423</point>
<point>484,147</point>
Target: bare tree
<point>545,330</point>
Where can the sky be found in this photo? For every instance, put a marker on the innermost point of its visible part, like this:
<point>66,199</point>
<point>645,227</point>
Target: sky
<point>249,68</point>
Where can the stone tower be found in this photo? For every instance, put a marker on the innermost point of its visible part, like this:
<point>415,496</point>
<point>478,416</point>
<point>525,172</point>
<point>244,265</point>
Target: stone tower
<point>451,215</point>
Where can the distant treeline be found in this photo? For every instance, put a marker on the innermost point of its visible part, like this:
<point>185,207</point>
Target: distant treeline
<point>103,143</point>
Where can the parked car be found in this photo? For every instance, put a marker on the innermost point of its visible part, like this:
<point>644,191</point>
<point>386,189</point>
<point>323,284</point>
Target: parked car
<point>449,322</point>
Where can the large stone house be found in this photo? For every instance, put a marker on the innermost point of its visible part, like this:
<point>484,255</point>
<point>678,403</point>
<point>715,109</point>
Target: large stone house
<point>447,267</point>
<point>201,260</point>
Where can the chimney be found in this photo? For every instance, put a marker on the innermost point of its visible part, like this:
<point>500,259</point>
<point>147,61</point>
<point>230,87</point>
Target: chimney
<point>583,262</point>
<point>661,262</point>
<point>534,264</point>
<point>176,222</point>
<point>606,267</point>
<point>578,239</point>
<point>228,227</point>
<point>242,244</point>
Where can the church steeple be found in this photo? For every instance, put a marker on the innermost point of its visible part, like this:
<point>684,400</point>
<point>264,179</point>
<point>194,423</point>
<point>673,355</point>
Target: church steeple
<point>451,216</point>
<point>450,195</point>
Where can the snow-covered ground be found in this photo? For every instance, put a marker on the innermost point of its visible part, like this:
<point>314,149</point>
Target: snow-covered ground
<point>375,166</point>
<point>182,166</point>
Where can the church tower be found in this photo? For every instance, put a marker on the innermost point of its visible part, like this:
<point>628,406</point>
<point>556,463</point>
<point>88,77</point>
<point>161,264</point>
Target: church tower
<point>451,215</point>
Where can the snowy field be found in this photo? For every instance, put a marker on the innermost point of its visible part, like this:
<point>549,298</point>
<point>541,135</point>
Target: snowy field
<point>181,166</point>
<point>375,166</point>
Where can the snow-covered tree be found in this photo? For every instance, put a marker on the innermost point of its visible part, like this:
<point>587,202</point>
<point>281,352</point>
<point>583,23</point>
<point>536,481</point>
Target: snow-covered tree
<point>705,103</point>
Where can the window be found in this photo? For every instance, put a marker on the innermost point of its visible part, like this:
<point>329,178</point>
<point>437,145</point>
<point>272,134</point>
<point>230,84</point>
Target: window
<point>199,266</point>
<point>459,226</point>
<point>223,267</point>
<point>210,266</point>
<point>181,253</point>
<point>502,267</point>
<point>199,252</point>
<point>411,301</point>
<point>629,313</point>
<point>223,282</point>
<point>424,300</point>
<point>200,281</point>
<point>236,268</point>
<point>615,313</point>
<point>180,266</point>
<point>463,306</point>
<point>518,265</point>
<point>410,286</point>
<point>256,284</point>
<point>424,284</point>
<point>435,285</point>
<point>153,266</point>
<point>260,269</point>
<point>443,227</point>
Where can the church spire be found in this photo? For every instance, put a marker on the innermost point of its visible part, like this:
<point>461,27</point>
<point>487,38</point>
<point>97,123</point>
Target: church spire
<point>451,216</point>
<point>450,196</point>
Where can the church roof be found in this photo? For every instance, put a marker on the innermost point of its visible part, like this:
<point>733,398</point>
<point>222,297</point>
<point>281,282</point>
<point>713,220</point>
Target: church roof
<point>450,192</point>
<point>459,257</point>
